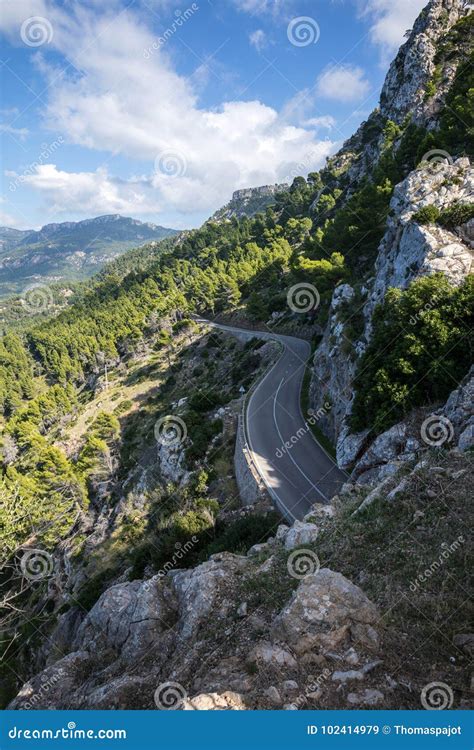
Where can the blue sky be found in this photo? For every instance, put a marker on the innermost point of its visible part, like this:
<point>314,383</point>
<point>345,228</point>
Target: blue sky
<point>159,110</point>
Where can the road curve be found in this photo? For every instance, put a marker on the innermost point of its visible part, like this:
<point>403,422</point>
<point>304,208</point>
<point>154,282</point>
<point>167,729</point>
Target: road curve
<point>294,467</point>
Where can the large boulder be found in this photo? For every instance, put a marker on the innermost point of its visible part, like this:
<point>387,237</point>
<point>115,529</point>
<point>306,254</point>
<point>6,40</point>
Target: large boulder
<point>301,533</point>
<point>202,591</point>
<point>130,619</point>
<point>326,612</point>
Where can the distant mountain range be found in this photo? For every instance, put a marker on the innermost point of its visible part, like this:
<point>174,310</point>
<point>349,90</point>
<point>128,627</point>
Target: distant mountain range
<point>69,251</point>
<point>76,250</point>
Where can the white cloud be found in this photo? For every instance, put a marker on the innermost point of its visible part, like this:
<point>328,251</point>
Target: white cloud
<point>390,20</point>
<point>325,121</point>
<point>20,133</point>
<point>91,192</point>
<point>14,12</point>
<point>262,7</point>
<point>343,83</point>
<point>258,39</point>
<point>119,100</point>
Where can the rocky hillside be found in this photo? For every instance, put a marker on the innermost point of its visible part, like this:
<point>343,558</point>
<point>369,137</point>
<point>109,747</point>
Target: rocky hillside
<point>69,251</point>
<point>132,576</point>
<point>429,228</point>
<point>409,250</point>
<point>282,627</point>
<point>248,202</point>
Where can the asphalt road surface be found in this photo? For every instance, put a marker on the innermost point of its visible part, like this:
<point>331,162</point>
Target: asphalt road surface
<point>294,466</point>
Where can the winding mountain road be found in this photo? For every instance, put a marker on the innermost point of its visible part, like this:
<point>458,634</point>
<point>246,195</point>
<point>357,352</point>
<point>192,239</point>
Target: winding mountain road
<point>295,468</point>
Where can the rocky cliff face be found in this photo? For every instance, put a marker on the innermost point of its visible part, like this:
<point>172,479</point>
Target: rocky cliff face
<point>404,90</point>
<point>409,249</point>
<point>404,93</point>
<point>248,202</point>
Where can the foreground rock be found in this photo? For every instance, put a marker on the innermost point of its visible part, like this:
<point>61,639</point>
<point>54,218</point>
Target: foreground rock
<point>177,641</point>
<point>215,702</point>
<point>327,612</point>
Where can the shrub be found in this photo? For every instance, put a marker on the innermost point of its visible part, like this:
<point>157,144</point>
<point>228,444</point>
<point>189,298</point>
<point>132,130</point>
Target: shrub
<point>183,324</point>
<point>427,215</point>
<point>455,215</point>
<point>200,431</point>
<point>242,534</point>
<point>123,407</point>
<point>253,344</point>
<point>205,400</point>
<point>430,89</point>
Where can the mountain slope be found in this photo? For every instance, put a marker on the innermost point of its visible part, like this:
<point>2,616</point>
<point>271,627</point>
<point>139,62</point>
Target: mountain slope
<point>119,419</point>
<point>69,251</point>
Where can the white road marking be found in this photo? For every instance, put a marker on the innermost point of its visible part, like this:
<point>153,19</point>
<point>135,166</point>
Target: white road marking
<point>288,452</point>
<point>262,473</point>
